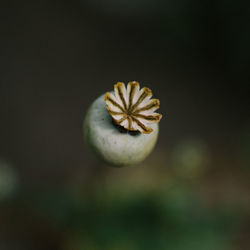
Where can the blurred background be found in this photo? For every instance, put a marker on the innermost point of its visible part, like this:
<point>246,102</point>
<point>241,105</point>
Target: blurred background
<point>192,192</point>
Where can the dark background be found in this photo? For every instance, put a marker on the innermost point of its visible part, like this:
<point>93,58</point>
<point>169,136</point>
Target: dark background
<point>57,57</point>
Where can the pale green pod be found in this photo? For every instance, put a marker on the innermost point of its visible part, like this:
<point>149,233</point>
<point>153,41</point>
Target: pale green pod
<point>112,146</point>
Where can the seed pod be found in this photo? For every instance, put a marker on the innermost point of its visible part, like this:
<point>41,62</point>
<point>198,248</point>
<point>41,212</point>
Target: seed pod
<point>118,144</point>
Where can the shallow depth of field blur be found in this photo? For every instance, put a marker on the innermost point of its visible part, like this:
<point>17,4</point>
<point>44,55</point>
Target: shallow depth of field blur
<point>192,192</point>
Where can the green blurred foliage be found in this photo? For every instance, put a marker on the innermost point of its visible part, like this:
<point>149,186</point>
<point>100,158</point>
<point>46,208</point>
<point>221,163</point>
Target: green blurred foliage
<point>190,158</point>
<point>8,180</point>
<point>171,217</point>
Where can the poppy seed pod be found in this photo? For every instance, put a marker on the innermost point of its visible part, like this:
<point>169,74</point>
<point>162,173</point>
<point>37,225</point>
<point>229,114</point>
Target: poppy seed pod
<point>114,143</point>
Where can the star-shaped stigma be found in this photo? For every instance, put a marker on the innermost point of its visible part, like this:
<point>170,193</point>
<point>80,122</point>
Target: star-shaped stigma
<point>133,108</point>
